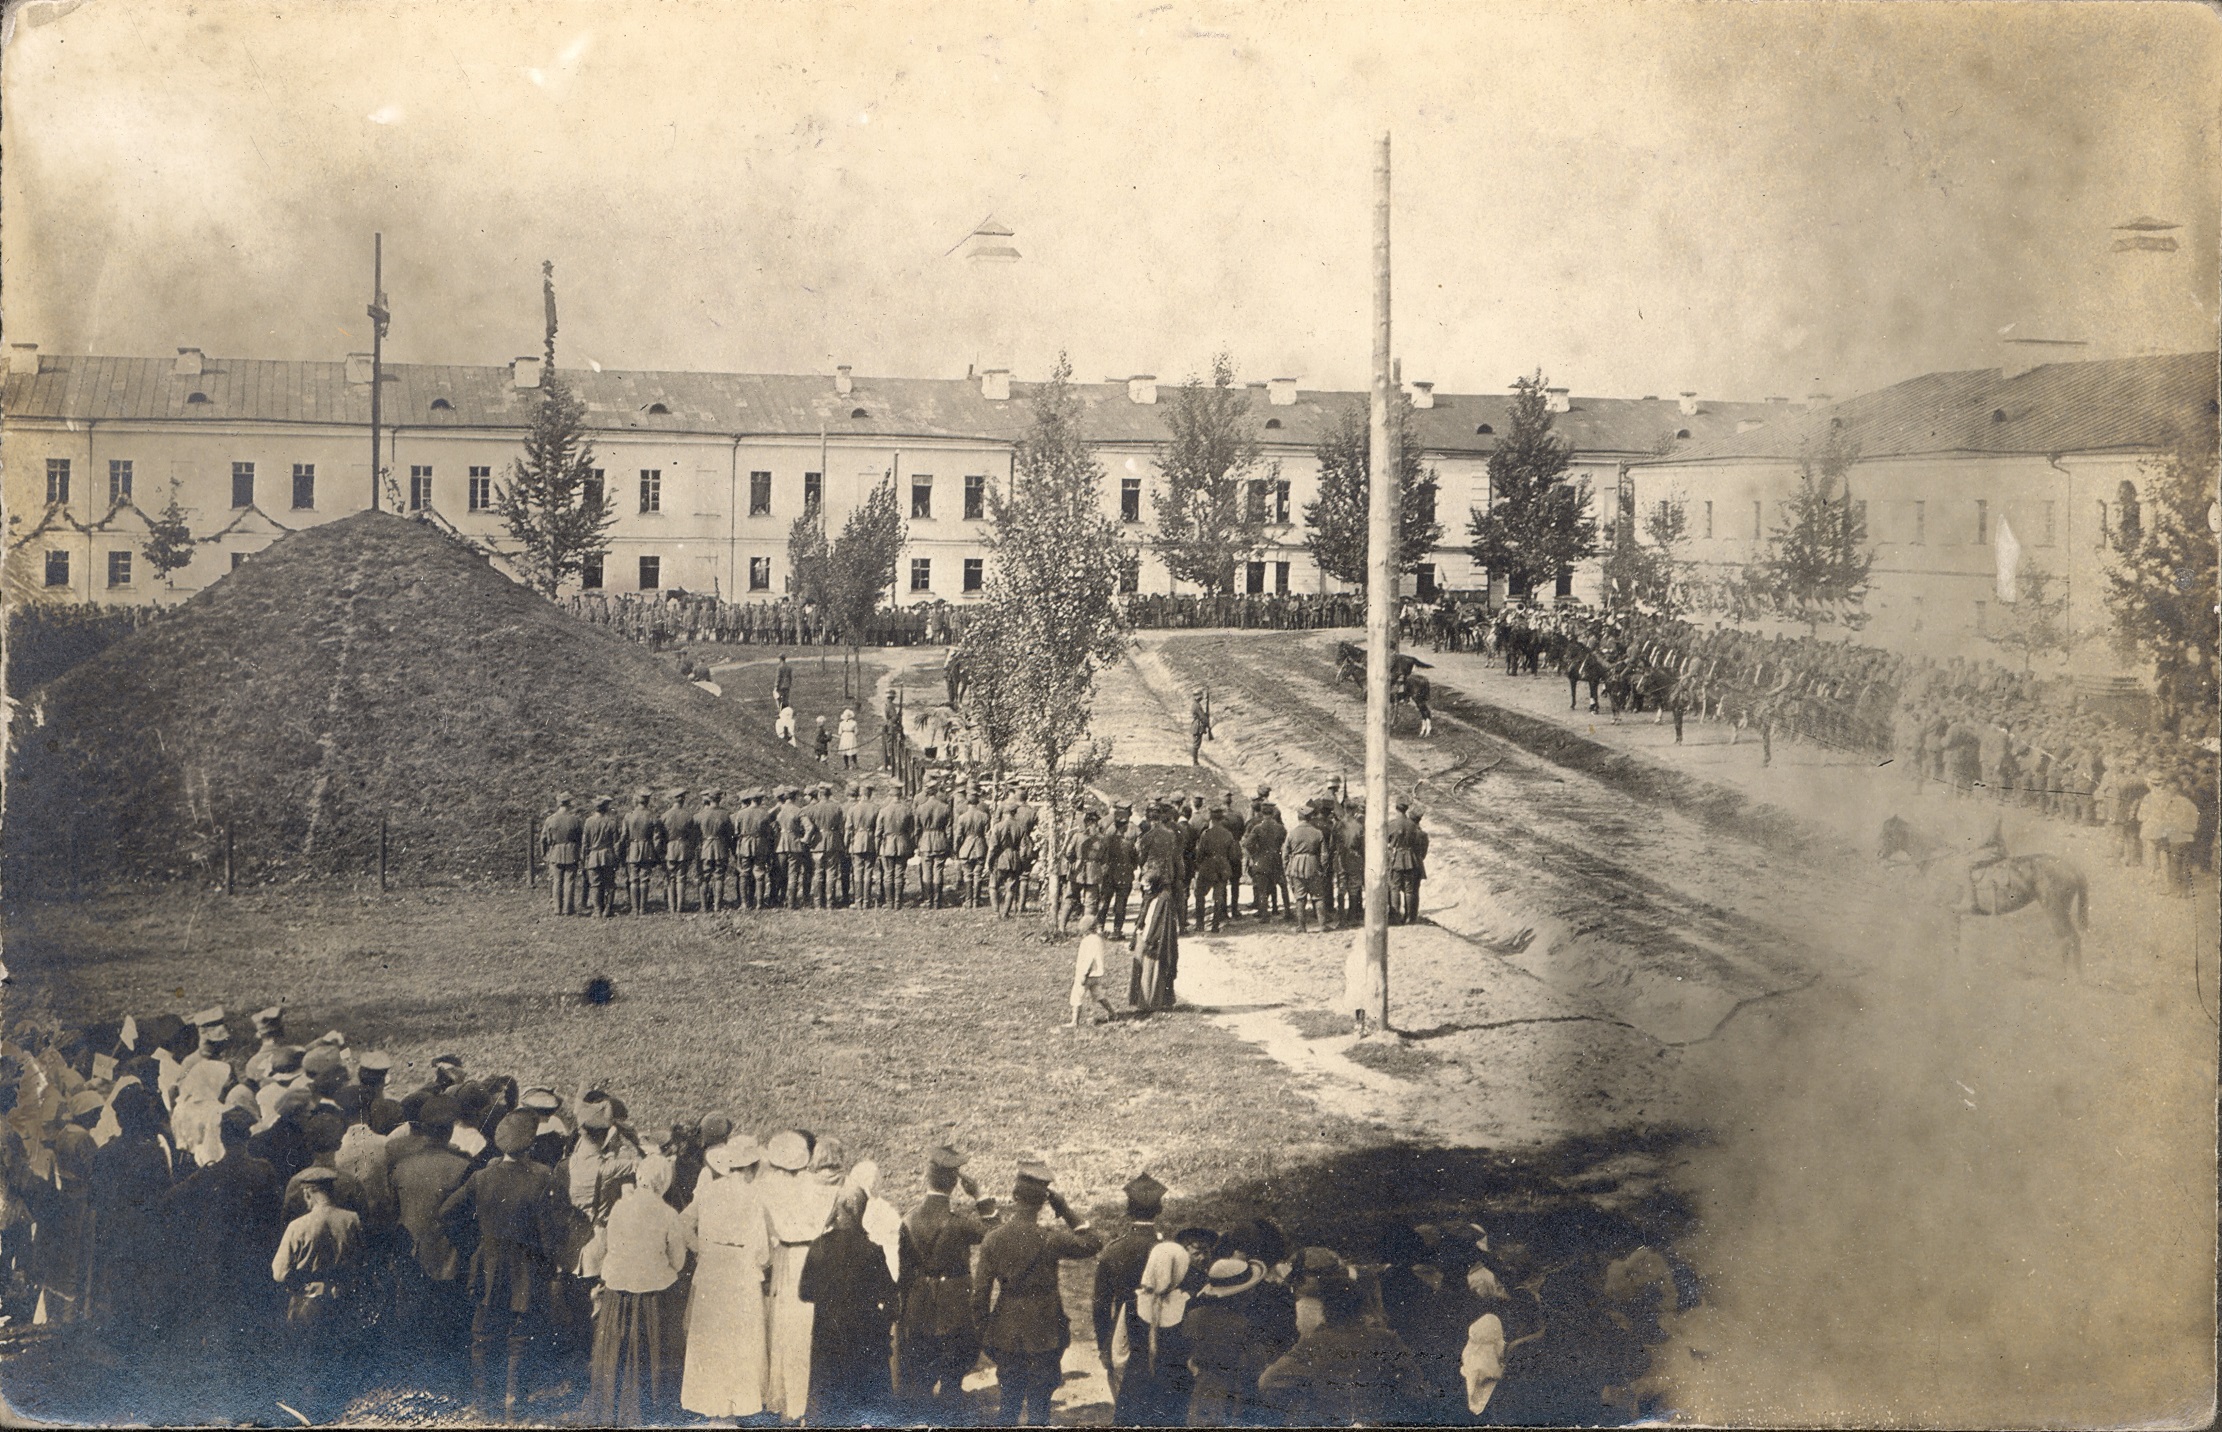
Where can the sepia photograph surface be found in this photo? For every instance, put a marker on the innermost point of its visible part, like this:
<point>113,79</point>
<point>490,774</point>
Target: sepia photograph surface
<point>712,718</point>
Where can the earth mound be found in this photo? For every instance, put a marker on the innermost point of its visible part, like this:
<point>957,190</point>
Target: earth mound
<point>369,673</point>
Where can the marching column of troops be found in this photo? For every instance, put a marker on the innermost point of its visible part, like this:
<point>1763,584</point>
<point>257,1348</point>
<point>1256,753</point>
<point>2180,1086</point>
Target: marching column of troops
<point>807,847</point>
<point>285,1225</point>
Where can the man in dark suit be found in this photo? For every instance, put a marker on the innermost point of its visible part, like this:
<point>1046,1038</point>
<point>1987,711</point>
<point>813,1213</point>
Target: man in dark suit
<point>1119,1269</point>
<point>519,1213</point>
<point>1118,874</point>
<point>434,1315</point>
<point>1015,1298</point>
<point>939,1336</point>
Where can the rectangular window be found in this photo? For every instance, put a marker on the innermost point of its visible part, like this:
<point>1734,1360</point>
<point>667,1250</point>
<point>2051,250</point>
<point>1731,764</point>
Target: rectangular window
<point>1253,579</point>
<point>590,491</point>
<point>304,484</point>
<point>1662,518</point>
<point>119,569</point>
<point>759,574</point>
<point>2048,524</point>
<point>975,574</point>
<point>1565,585</point>
<point>242,484</point>
<point>922,496</point>
<point>1426,496</point>
<point>1280,575</point>
<point>651,573</point>
<point>1982,618</point>
<point>482,489</point>
<point>1708,519</point>
<point>759,495</point>
<point>1982,521</point>
<point>651,490</point>
<point>975,497</point>
<point>57,569</point>
<point>1920,523</point>
<point>590,573</point>
<point>813,489</point>
<point>1757,518</point>
<point>57,480</point>
<point>420,488</point>
<point>2106,527</point>
<point>921,574</point>
<point>1427,581</point>
<point>1254,500</point>
<point>119,482</point>
<point>1130,499</point>
<point>1280,503</point>
<point>236,559</point>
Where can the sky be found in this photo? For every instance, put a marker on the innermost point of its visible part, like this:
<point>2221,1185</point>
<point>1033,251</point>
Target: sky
<point>1745,200</point>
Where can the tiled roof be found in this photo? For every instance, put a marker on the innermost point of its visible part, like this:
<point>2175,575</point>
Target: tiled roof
<point>2105,405</point>
<point>268,390</point>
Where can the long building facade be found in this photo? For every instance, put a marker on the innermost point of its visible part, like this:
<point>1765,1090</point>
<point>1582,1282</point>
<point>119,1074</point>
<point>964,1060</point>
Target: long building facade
<point>706,471</point>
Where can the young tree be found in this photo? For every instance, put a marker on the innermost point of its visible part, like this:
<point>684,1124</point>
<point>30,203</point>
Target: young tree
<point>2035,623</point>
<point>860,565</point>
<point>1538,521</point>
<point>1648,575</point>
<point>809,563</point>
<point>1206,522</point>
<point>557,516</point>
<point>1816,565</point>
<point>1050,617</point>
<point>1339,518</point>
<point>2162,591</point>
<point>169,546</point>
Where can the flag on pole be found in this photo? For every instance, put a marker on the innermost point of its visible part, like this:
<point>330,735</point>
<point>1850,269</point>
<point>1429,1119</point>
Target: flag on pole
<point>2009,563</point>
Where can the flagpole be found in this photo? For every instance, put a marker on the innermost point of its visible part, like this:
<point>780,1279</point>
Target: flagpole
<point>1369,985</point>
<point>378,316</point>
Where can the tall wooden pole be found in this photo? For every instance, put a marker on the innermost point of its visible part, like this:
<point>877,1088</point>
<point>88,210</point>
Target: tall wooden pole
<point>378,318</point>
<point>1369,962</point>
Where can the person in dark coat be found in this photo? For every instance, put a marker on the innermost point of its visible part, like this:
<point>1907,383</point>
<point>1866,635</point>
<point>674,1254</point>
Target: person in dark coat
<point>1016,1300</point>
<point>432,1308</point>
<point>845,1276</point>
<point>520,1216</point>
<point>1229,1329</point>
<point>131,1175</point>
<point>1119,1267</point>
<point>1345,1372</point>
<point>940,1340</point>
<point>222,1222</point>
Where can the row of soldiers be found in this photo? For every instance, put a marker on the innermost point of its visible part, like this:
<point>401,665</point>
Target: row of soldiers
<point>803,847</point>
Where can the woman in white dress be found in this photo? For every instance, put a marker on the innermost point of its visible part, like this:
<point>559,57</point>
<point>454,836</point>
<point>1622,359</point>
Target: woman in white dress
<point>798,1204</point>
<point>726,1338</point>
<point>848,740</point>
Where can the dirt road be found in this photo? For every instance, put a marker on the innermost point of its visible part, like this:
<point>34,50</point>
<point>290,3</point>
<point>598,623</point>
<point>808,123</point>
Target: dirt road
<point>1936,1179</point>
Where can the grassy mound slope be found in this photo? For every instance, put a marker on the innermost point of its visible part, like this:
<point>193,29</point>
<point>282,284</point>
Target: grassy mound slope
<point>369,668</point>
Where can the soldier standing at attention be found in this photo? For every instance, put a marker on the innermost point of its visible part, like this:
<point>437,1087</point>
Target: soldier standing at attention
<point>864,846</point>
<point>643,852</point>
<point>936,1330</point>
<point>1396,835</point>
<point>897,830</point>
<point>1118,873</point>
<point>598,838</point>
<point>1015,1296</point>
<point>1215,853</point>
<point>827,832</point>
<point>1419,860</point>
<point>559,851</point>
<point>714,825</point>
<point>750,849</point>
<point>934,815</point>
<point>1261,848</point>
<point>791,837</point>
<point>1006,863</point>
<point>1199,726</point>
<point>1024,816</point>
<point>783,684</point>
<point>970,833</point>
<point>1304,856</point>
<point>682,844</point>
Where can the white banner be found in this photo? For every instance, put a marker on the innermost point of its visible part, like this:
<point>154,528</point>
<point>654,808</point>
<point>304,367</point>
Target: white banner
<point>2009,562</point>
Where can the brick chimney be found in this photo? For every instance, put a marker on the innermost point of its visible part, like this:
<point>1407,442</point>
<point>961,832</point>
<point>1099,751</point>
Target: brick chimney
<point>23,358</point>
<point>524,372</point>
<point>995,384</point>
<point>358,368</point>
<point>1688,404</point>
<point>842,382</point>
<point>188,363</point>
<point>1142,388</point>
<point>1423,394</point>
<point>1558,400</point>
<point>1281,392</point>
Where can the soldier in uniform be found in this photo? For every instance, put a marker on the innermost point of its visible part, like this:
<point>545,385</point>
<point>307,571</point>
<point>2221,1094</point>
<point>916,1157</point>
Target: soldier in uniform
<point>1027,819</point>
<point>1419,860</point>
<point>1304,856</point>
<point>1404,886</point>
<point>827,834</point>
<point>518,1208</point>
<point>970,831</point>
<point>1199,726</point>
<point>598,838</point>
<point>1215,855</point>
<point>714,826</point>
<point>559,851</point>
<point>1119,1268</point>
<point>1118,873</point>
<point>1083,872</point>
<point>896,828</point>
<point>1015,1297</point>
<point>934,815</point>
<point>1006,863</point>
<point>791,841</point>
<point>1261,849</point>
<point>269,1039</point>
<point>864,843</point>
<point>642,852</point>
<point>682,849</point>
<point>751,849</point>
<point>938,1337</point>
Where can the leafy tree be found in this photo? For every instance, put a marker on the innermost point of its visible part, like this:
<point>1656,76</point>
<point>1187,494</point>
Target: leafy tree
<point>1538,520</point>
<point>552,509</point>
<point>1050,614</point>
<point>2162,591</point>
<point>1648,575</point>
<point>809,563</point>
<point>1816,565</point>
<point>169,546</point>
<point>1339,518</point>
<point>2035,623</point>
<point>1206,523</point>
<point>860,565</point>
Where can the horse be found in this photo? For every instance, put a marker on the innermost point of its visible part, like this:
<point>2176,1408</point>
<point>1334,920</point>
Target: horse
<point>1406,685</point>
<point>2002,886</point>
<point>1584,664</point>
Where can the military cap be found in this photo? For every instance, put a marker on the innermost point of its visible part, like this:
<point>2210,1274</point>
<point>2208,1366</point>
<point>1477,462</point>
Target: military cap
<point>453,1060</point>
<point>601,802</point>
<point>269,1021</point>
<point>1122,808</point>
<point>373,1067</point>
<point>285,1059</point>
<point>202,1019</point>
<point>321,1059</point>
<point>331,1037</point>
<point>540,1100</point>
<point>316,1174</point>
<point>1035,1170</point>
<point>1263,792</point>
<point>679,793</point>
<point>515,1133</point>
<point>596,1110</point>
<point>714,793</point>
<point>1403,805</point>
<point>295,1098</point>
<point>1143,1191</point>
<point>786,1150</point>
<point>854,788</point>
<point>1091,814</point>
<point>944,1156</point>
<point>564,798</point>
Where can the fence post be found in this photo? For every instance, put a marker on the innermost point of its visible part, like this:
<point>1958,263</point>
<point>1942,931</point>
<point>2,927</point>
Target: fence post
<point>228,861</point>
<point>381,854</point>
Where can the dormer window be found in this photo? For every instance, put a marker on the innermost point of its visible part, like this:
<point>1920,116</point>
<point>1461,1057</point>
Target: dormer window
<point>657,410</point>
<point>1272,422</point>
<point>858,413</point>
<point>1681,432</point>
<point>196,397</point>
<point>1483,430</point>
<point>1998,415</point>
<point>442,405</point>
